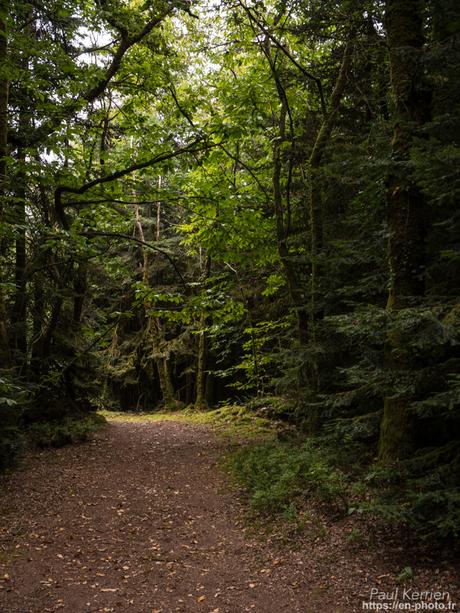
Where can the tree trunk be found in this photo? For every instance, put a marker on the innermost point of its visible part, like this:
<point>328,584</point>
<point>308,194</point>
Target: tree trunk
<point>19,310</point>
<point>314,164</point>
<point>296,293</point>
<point>4,86</point>
<point>315,203</point>
<point>43,348</point>
<point>407,223</point>
<point>80,289</point>
<point>166,386</point>
<point>43,337</point>
<point>305,313</point>
<point>38,315</point>
<point>5,355</point>
<point>200,398</point>
<point>200,386</point>
<point>154,326</point>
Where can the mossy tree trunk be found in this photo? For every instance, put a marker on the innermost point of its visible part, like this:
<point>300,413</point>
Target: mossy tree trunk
<point>406,210</point>
<point>164,376</point>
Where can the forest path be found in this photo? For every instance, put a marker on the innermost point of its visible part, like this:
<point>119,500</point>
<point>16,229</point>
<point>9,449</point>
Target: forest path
<point>139,520</point>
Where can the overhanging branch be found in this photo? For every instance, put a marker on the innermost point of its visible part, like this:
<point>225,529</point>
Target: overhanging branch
<point>161,157</point>
<point>126,41</point>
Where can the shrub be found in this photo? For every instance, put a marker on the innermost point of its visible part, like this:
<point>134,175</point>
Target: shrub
<point>13,396</point>
<point>278,474</point>
<point>11,445</point>
<point>421,493</point>
<point>62,432</point>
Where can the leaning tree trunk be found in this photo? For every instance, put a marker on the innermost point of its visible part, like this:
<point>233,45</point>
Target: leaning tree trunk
<point>407,220</point>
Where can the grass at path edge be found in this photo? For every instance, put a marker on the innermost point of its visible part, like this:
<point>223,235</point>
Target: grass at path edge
<point>232,421</point>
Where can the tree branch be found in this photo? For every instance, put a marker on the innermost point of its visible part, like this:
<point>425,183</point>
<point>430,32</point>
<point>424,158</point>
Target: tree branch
<point>288,54</point>
<point>161,157</point>
<point>126,42</point>
<point>334,104</point>
<point>95,233</point>
<point>180,108</point>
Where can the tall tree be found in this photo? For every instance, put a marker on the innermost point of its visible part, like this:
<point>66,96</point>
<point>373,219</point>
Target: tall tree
<point>4,88</point>
<point>406,206</point>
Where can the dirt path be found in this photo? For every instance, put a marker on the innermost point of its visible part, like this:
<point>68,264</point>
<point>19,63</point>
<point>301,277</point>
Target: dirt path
<point>139,520</point>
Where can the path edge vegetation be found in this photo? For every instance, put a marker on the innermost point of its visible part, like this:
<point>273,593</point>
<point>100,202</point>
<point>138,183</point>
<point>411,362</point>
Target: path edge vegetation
<point>281,472</point>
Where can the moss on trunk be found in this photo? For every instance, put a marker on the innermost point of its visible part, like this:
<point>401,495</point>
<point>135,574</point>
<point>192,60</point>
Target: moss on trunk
<point>406,214</point>
<point>395,429</point>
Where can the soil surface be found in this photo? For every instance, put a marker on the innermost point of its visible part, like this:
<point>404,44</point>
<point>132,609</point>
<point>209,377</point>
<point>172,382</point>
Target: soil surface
<point>141,520</point>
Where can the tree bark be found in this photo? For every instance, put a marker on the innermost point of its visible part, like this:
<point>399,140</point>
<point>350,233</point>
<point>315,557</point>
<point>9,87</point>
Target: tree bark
<point>200,385</point>
<point>407,220</point>
<point>305,313</point>
<point>19,310</point>
<point>161,361</point>
<point>281,202</point>
<point>154,330</point>
<point>5,356</point>
<point>314,164</point>
<point>80,286</point>
<point>4,87</point>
